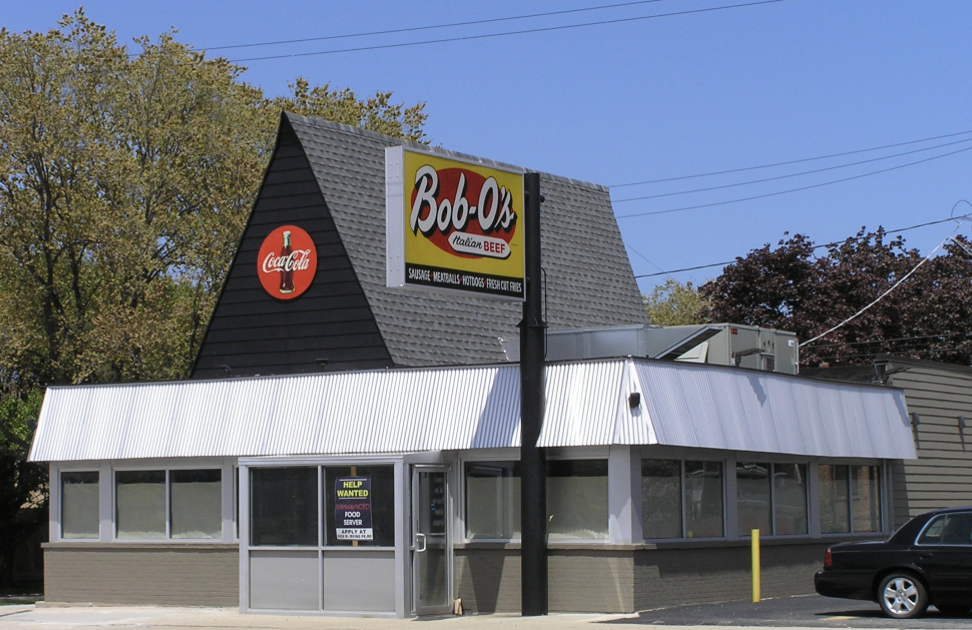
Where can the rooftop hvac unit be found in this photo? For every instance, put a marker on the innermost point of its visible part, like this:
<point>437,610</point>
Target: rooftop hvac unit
<point>717,344</point>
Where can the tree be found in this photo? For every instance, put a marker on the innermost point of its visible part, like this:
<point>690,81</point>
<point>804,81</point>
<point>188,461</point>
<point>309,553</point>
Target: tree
<point>377,113</point>
<point>675,304</point>
<point>125,184</point>
<point>791,288</point>
<point>23,505</point>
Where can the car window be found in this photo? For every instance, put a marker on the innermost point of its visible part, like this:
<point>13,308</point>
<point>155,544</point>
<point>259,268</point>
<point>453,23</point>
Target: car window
<point>948,529</point>
<point>933,533</point>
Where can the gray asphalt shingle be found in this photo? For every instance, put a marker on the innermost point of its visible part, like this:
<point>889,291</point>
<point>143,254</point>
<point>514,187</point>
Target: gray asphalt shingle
<point>588,275</point>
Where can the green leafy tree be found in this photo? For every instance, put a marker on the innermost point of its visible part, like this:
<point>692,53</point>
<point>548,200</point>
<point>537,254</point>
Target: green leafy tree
<point>125,182</point>
<point>676,304</point>
<point>23,504</point>
<point>126,177</point>
<point>792,288</point>
<point>376,113</point>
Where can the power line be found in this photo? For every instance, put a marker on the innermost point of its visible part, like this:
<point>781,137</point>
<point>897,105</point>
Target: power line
<point>433,26</point>
<point>507,33</point>
<point>815,247</point>
<point>874,354</point>
<point>883,295</point>
<point>788,162</point>
<point>662,272</point>
<point>888,341</point>
<point>800,174</point>
<point>792,190</point>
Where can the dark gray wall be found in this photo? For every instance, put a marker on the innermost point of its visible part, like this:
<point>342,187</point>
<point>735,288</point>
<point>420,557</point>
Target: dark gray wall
<point>632,579</point>
<point>254,333</point>
<point>687,575</point>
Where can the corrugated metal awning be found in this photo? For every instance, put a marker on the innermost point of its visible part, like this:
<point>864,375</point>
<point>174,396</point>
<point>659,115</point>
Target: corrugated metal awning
<point>395,411</point>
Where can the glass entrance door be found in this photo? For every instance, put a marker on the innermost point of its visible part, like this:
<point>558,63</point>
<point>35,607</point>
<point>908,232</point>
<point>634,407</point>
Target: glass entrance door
<point>431,546</point>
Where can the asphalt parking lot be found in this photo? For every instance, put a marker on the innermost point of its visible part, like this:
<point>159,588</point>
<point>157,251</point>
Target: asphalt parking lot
<point>811,611</point>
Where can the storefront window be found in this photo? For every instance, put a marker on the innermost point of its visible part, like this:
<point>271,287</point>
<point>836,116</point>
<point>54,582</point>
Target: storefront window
<point>703,500</point>
<point>834,504</point>
<point>753,498</point>
<point>360,506</point>
<point>577,503</point>
<point>577,499</point>
<point>195,504</point>
<point>283,507</point>
<point>492,500</point>
<point>79,505</point>
<point>140,504</point>
<point>661,498</point>
<point>790,499</point>
<point>866,496</point>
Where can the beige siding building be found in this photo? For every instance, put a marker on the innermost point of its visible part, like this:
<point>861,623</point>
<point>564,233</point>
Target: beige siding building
<point>939,399</point>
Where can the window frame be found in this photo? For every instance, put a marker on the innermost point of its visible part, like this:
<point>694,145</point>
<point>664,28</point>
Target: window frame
<point>60,504</point>
<point>806,499</point>
<point>683,456</point>
<point>883,494</point>
<point>939,517</point>
<point>773,462</point>
<point>322,508</point>
<point>511,455</point>
<point>166,468</point>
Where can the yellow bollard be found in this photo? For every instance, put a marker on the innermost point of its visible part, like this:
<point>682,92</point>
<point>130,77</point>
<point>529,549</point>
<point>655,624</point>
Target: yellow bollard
<point>755,545</point>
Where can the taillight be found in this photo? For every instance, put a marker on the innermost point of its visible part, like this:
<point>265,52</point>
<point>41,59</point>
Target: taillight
<point>828,559</point>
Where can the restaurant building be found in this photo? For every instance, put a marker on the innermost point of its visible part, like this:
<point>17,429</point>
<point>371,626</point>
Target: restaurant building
<point>347,445</point>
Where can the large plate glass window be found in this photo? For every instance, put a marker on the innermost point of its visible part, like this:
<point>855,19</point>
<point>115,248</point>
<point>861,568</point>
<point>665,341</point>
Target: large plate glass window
<point>661,498</point>
<point>195,504</point>
<point>703,500</point>
<point>834,505</point>
<point>577,499</point>
<point>283,507</point>
<point>753,490</point>
<point>492,500</point>
<point>577,502</point>
<point>850,499</point>
<point>140,504</point>
<point>79,505</point>
<point>866,498</point>
<point>771,498</point>
<point>178,504</point>
<point>378,499</point>
<point>790,499</point>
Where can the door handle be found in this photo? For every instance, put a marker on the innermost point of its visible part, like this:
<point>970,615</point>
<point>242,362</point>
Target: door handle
<point>420,538</point>
<point>925,556</point>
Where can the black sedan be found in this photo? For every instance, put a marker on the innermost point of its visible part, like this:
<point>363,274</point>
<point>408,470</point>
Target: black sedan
<point>926,562</point>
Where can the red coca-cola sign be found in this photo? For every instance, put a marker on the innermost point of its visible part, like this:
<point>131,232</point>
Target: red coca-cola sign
<point>287,262</point>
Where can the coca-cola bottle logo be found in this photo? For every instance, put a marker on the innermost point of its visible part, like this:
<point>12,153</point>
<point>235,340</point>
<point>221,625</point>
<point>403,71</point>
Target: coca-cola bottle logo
<point>287,262</point>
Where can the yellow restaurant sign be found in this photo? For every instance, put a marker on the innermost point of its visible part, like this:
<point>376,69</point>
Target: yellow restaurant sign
<point>453,224</point>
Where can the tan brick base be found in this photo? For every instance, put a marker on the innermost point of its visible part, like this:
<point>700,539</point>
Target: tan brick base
<point>171,575</point>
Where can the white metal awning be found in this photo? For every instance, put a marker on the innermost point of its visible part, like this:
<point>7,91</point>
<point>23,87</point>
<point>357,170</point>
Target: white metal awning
<point>394,411</point>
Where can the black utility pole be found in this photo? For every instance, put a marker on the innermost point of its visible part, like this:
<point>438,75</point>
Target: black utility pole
<point>533,464</point>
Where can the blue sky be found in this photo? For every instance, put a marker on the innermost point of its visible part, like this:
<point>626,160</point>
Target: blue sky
<point>646,99</point>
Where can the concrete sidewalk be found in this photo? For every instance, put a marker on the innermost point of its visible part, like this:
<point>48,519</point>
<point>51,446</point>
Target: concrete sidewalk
<point>28,617</point>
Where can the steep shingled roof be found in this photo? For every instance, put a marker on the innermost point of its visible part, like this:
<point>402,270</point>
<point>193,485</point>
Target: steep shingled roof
<point>589,281</point>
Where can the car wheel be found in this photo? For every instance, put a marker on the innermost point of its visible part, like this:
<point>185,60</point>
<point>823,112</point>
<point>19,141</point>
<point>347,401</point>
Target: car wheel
<point>902,596</point>
<point>953,609</point>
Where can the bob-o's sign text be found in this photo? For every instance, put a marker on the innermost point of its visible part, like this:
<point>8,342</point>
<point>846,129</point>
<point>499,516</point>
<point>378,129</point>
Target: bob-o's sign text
<point>453,224</point>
